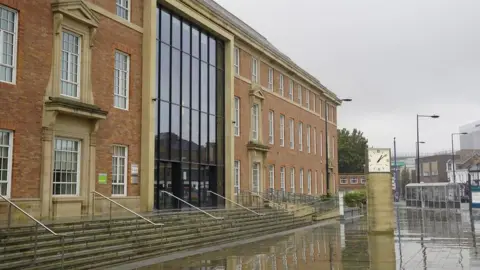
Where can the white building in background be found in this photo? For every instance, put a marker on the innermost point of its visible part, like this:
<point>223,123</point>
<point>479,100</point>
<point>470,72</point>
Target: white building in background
<point>472,139</point>
<point>461,169</point>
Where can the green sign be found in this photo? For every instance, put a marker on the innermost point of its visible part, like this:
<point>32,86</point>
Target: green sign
<point>399,164</point>
<point>102,178</point>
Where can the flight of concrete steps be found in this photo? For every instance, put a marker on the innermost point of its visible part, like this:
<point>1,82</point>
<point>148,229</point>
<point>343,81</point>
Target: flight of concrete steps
<point>100,243</point>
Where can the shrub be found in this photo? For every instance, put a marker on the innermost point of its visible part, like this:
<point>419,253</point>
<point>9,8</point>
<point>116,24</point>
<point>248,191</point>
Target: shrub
<point>355,198</point>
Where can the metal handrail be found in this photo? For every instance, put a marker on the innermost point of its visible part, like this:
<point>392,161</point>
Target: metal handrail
<point>37,222</point>
<point>28,215</point>
<point>259,214</point>
<point>191,205</point>
<point>274,203</point>
<point>125,208</point>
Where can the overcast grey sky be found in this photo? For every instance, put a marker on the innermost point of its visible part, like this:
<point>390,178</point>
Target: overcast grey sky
<point>393,58</point>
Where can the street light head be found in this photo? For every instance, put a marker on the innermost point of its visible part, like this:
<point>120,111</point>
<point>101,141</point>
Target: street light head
<point>346,99</point>
<point>435,116</point>
<point>421,142</point>
<point>463,133</point>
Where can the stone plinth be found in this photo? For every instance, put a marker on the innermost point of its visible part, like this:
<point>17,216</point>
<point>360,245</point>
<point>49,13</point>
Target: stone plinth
<point>379,203</point>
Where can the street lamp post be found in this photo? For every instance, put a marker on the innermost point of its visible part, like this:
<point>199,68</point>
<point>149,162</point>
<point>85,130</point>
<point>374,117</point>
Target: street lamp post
<point>418,139</point>
<point>327,173</point>
<point>453,155</point>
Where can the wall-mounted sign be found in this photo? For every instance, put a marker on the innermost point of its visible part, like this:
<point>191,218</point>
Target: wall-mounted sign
<point>475,196</point>
<point>134,171</point>
<point>102,178</point>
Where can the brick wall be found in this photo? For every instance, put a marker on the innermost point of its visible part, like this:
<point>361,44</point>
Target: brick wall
<point>21,103</point>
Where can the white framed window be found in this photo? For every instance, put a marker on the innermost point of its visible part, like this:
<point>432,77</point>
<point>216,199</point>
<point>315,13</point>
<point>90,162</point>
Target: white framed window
<point>280,87</point>
<point>282,179</point>
<point>315,140</point>
<point>271,129</point>
<point>299,93</point>
<point>292,180</point>
<point>309,182</point>
<point>362,180</point>
<point>236,177</point>
<point>301,181</point>
<point>307,98</point>
<point>316,182</point>
<point>254,70</point>
<point>236,61</point>
<point>8,44</point>
<point>70,68</point>
<point>292,134</point>
<point>308,139</point>
<point>354,180</point>
<point>271,176</point>
<point>282,130</point>
<point>6,153</point>
<point>66,167</point>
<point>343,181</point>
<point>270,79</point>
<point>321,144</point>
<point>314,102</point>
<point>255,122</point>
<point>300,136</point>
<point>123,9</point>
<point>256,177</point>
<point>236,125</point>
<point>119,170</point>
<point>290,90</point>
<point>121,80</point>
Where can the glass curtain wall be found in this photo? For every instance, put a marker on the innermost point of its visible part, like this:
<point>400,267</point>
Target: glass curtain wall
<point>189,113</point>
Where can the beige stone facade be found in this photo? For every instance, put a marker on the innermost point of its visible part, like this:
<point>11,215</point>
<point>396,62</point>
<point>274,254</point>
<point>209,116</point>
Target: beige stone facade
<point>44,122</point>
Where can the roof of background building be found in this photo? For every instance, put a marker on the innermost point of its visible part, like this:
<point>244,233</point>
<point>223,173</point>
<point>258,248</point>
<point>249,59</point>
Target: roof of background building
<point>249,31</point>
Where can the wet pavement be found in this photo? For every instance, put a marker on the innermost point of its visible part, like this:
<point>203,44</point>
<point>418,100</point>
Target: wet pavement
<point>428,239</point>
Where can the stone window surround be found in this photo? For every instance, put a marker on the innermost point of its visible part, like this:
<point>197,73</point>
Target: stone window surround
<point>75,17</point>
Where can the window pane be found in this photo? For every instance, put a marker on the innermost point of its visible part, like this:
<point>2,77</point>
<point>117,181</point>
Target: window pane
<point>220,55</point>
<point>164,134</point>
<point>212,133</point>
<point>176,33</point>
<point>212,90</point>
<point>195,83</point>
<point>204,87</point>
<point>175,133</point>
<point>195,136</point>
<point>212,51</point>
<point>204,47</point>
<point>203,137</point>
<point>165,27</point>
<point>185,133</point>
<point>186,38</point>
<point>165,72</point>
<point>195,42</point>
<point>176,76</point>
<point>186,80</point>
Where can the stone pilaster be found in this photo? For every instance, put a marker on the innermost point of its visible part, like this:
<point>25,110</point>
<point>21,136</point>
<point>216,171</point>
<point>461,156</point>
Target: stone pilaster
<point>380,203</point>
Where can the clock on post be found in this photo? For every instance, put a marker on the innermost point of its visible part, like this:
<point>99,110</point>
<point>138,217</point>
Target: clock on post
<point>378,160</point>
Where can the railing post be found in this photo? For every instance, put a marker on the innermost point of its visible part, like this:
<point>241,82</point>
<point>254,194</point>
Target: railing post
<point>93,205</point>
<point>110,221</point>
<point>35,245</point>
<point>63,249</point>
<point>9,215</point>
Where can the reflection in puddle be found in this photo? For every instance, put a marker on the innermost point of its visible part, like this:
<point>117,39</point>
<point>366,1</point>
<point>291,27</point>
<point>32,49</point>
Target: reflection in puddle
<point>424,240</point>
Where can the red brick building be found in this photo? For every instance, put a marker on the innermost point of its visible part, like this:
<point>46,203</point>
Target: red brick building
<point>352,181</point>
<point>104,95</point>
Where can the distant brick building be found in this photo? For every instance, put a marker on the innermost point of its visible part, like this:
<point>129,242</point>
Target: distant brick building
<point>352,181</point>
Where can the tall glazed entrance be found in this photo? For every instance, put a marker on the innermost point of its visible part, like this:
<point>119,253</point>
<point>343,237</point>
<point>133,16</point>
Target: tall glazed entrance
<point>189,114</point>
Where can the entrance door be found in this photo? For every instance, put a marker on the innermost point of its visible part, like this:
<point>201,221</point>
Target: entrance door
<point>168,177</point>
